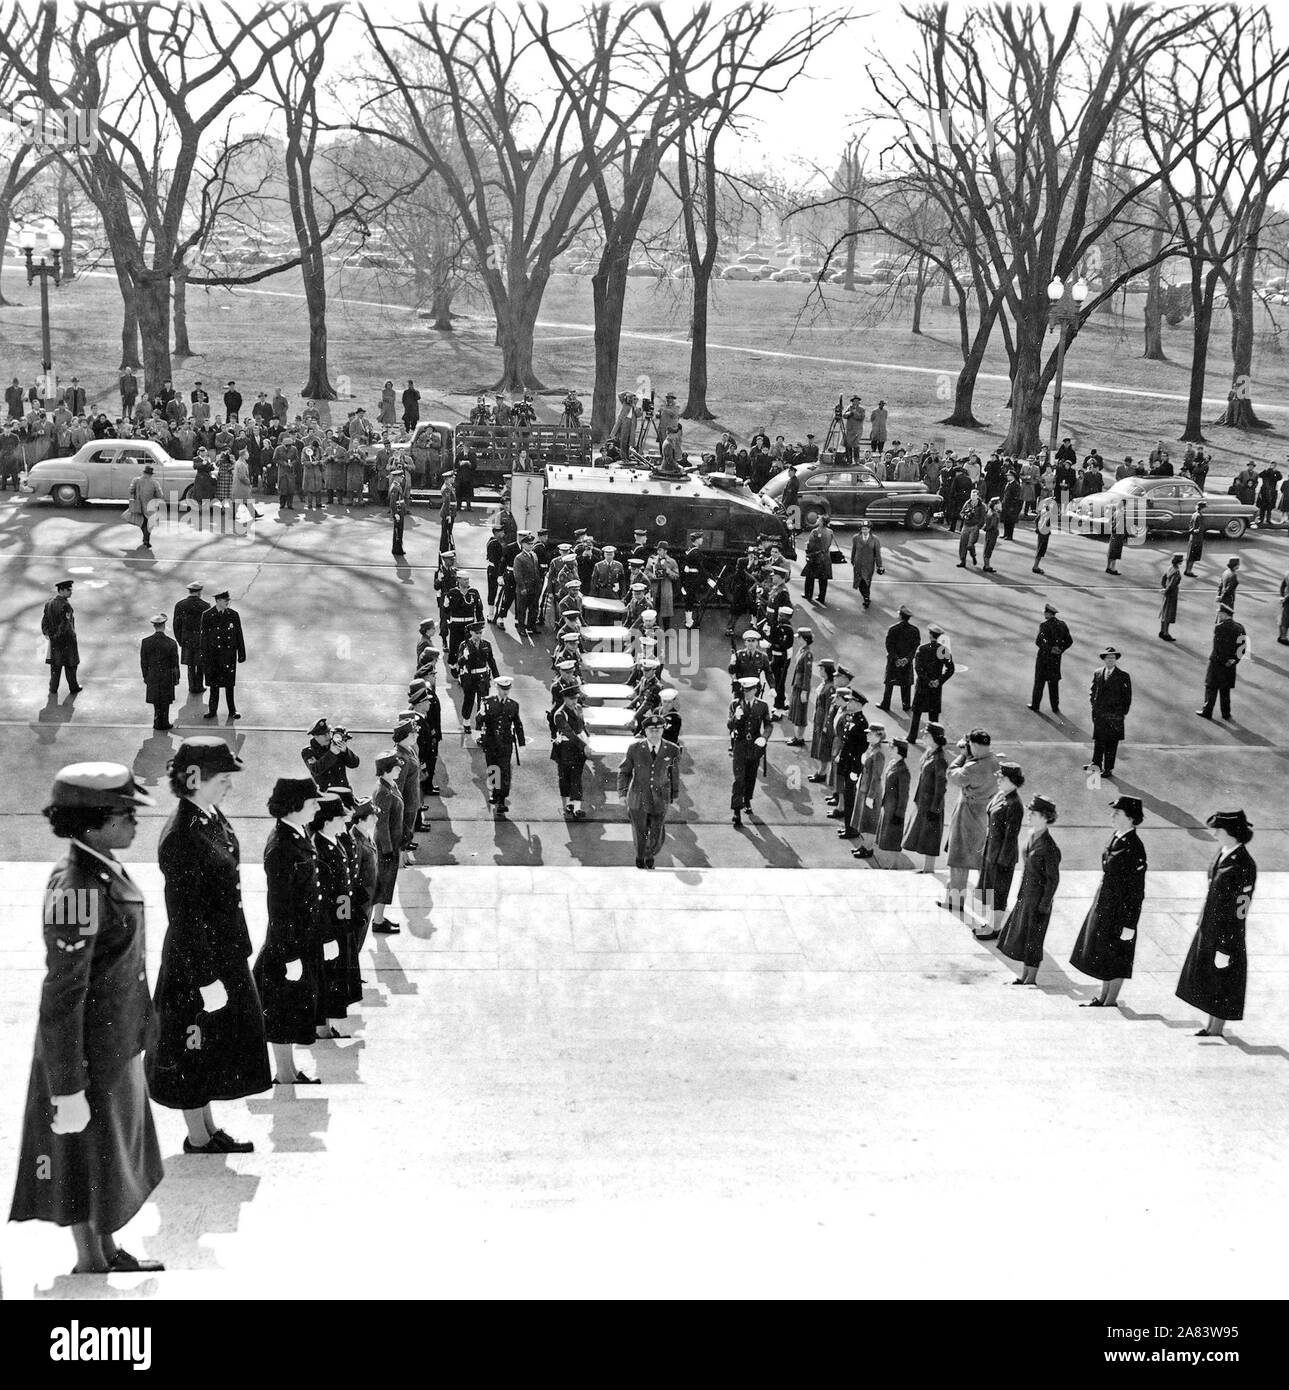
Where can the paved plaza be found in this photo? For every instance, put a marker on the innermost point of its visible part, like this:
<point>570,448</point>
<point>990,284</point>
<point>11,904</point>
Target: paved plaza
<point>763,1069</point>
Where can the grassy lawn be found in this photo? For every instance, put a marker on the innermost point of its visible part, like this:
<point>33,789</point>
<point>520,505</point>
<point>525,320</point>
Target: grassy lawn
<point>261,340</point>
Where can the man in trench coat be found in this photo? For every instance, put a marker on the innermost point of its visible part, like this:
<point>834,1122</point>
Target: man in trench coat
<point>159,662</point>
<point>186,627</point>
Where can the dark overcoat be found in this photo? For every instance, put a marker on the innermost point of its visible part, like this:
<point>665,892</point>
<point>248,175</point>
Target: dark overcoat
<point>1214,989</point>
<point>1107,941</point>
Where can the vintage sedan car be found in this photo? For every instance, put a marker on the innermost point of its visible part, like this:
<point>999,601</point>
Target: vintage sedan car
<point>740,272</point>
<point>103,469</point>
<point>850,492</point>
<point>1163,505</point>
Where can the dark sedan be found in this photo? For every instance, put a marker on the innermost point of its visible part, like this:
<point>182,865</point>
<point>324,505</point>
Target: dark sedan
<point>1163,505</point>
<point>849,492</point>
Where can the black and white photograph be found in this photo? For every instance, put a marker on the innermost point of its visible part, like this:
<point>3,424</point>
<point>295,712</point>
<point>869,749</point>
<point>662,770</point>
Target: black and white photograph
<point>643,657</point>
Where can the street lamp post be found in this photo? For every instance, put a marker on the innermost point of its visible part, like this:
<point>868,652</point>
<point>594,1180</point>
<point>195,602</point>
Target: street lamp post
<point>45,270</point>
<point>1067,301</point>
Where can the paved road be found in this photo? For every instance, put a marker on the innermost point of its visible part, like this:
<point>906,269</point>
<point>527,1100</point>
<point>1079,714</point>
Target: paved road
<point>331,620</point>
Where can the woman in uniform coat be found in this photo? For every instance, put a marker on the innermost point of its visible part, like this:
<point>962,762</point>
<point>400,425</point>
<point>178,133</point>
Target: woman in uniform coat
<point>1107,942</point>
<point>340,985</point>
<point>1217,965</point>
<point>89,1156</point>
<point>288,971</point>
<point>1001,849</point>
<point>801,668</point>
<point>895,800</point>
<point>365,881</point>
<point>822,726</point>
<point>926,829</point>
<point>210,1025</point>
<point>1170,582</point>
<point>973,772</point>
<point>1026,924</point>
<point>867,807</point>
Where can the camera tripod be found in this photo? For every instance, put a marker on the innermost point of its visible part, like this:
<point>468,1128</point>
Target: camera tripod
<point>647,427</point>
<point>831,436</point>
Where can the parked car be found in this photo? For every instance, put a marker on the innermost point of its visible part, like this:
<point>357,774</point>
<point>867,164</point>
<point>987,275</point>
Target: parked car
<point>740,272</point>
<point>752,259</point>
<point>644,269</point>
<point>882,275</point>
<point>1163,505</point>
<point>791,275</point>
<point>847,492</point>
<point>103,469</point>
<point>885,263</point>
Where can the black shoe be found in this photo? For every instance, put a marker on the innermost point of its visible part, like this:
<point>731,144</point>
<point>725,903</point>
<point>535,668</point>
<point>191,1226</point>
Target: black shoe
<point>988,569</point>
<point>639,863</point>
<point>1203,714</point>
<point>234,716</point>
<point>863,852</point>
<point>386,928</point>
<point>836,815</point>
<point>299,1079</point>
<point>1035,708</point>
<point>1092,1004</point>
<point>208,715</point>
<point>75,689</point>
<point>229,1145</point>
<point>648,863</point>
<point>125,1263</point>
<point>961,565</point>
<point>887,708</point>
<point>1036,570</point>
<point>737,821</point>
<point>433,790</point>
<point>210,1148</point>
<point>816,777</point>
<point>831,800</point>
<point>848,834</point>
<point>986,936</point>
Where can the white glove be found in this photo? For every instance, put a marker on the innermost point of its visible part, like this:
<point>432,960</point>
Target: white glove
<point>71,1113</point>
<point>294,970</point>
<point>854,776</point>
<point>1127,934</point>
<point>1221,960</point>
<point>330,950</point>
<point>213,997</point>
<point>760,743</point>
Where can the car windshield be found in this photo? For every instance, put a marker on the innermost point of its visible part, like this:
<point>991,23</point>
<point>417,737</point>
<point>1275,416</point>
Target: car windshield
<point>1130,487</point>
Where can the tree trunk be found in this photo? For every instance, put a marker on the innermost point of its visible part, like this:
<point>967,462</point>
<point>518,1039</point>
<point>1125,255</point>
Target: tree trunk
<point>64,219</point>
<point>696,407</point>
<point>516,323</point>
<point>963,416</point>
<point>1155,309</point>
<point>318,387</point>
<point>1239,413</point>
<point>182,348</point>
<point>441,308</point>
<point>152,301</point>
<point>852,232</point>
<point>918,293</point>
<point>946,294</point>
<point>1028,384</point>
<point>608,296</point>
<point>129,322</point>
<point>1203,318</point>
<point>4,237</point>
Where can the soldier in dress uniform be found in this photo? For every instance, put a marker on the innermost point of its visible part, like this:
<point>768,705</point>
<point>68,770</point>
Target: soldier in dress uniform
<point>671,718</point>
<point>89,1155</point>
<point>851,742</point>
<point>781,637</point>
<point>588,556</point>
<point>933,668</point>
<point>1195,539</point>
<point>649,779</point>
<point>749,727</point>
<point>567,679</point>
<point>425,701</point>
<point>222,650</point>
<point>640,548</point>
<point>693,576</point>
<point>608,578</point>
<point>1052,641</point>
<point>328,755</point>
<point>1170,582</point>
<point>409,780</point>
<point>902,640</point>
<point>388,837</point>
<point>159,662</point>
<point>494,552</point>
<point>570,601</point>
<point>1228,582</point>
<point>750,660</point>
<point>464,610</point>
<point>1111,700</point>
<point>569,749</point>
<point>476,668</point>
<point>526,576</point>
<point>445,585</point>
<point>501,735</point>
<point>637,602</point>
<point>58,624</point>
<point>1215,975</point>
<point>1107,940</point>
<point>1230,646</point>
<point>186,626</point>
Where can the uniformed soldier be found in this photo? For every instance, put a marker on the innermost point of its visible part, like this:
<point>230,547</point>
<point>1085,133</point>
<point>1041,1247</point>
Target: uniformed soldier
<point>750,660</point>
<point>465,608</point>
<point>1195,539</point>
<point>526,573</point>
<point>608,578</point>
<point>501,735</point>
<point>649,779</point>
<point>159,662</point>
<point>932,668</point>
<point>570,601</point>
<point>649,686</point>
<point>1230,647</point>
<point>1228,582</point>
<point>902,641</point>
<point>426,640</point>
<point>566,680</point>
<point>409,780</point>
<point>749,726</point>
<point>223,649</point>
<point>588,556</point>
<point>569,749</point>
<point>671,718</point>
<point>89,1154</point>
<point>569,648</point>
<point>637,602</point>
<point>781,637</point>
<point>186,626</point>
<point>476,667</point>
<point>563,566</point>
<point>328,755</point>
<point>495,550</point>
<point>693,578</point>
<point>851,743</point>
<point>424,700</point>
<point>58,624</point>
<point>1111,700</point>
<point>640,548</point>
<point>1052,641</point>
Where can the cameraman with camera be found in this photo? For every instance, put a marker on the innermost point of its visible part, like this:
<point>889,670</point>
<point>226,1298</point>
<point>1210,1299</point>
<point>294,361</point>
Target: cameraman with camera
<point>572,418</point>
<point>525,413</point>
<point>328,755</point>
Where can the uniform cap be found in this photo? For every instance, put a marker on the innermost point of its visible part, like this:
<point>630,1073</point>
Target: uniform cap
<point>651,663</point>
<point>1012,772</point>
<point>905,611</point>
<point>751,635</point>
<point>1110,651</point>
<point>64,584</point>
<point>1130,806</point>
<point>223,593</point>
<point>565,548</point>
<point>878,729</point>
<point>784,610</point>
<point>105,786</point>
<point>610,550</point>
<point>417,690</point>
<point>749,682</point>
<point>936,630</point>
<point>571,638</point>
<point>827,666</point>
<point>573,584</point>
<point>667,696</point>
<point>402,730</point>
<point>1043,804</point>
<point>567,665</point>
<point>288,788</point>
<point>363,807</point>
<point>901,745</point>
<point>504,682</point>
<point>651,721</point>
<point>212,755</point>
<point>158,620</point>
<point>1225,608</point>
<point>476,627</point>
<point>385,762</point>
<point>804,632</point>
<point>649,614</point>
<point>426,623</point>
<point>320,727</point>
<point>1049,610</point>
<point>1233,822</point>
<point>639,588</point>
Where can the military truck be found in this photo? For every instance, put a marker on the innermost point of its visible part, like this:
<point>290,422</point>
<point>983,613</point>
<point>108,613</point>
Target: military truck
<point>613,503</point>
<point>495,449</point>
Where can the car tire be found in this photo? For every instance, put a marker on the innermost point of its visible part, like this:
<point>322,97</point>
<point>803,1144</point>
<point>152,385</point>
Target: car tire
<point>66,495</point>
<point>917,518</point>
<point>1235,528</point>
<point>811,513</point>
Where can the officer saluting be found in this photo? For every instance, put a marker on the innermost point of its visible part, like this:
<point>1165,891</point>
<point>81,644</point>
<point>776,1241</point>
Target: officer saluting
<point>1230,646</point>
<point>501,735</point>
<point>159,662</point>
<point>186,626</point>
<point>1052,641</point>
<point>222,649</point>
<point>749,726</point>
<point>58,624</point>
